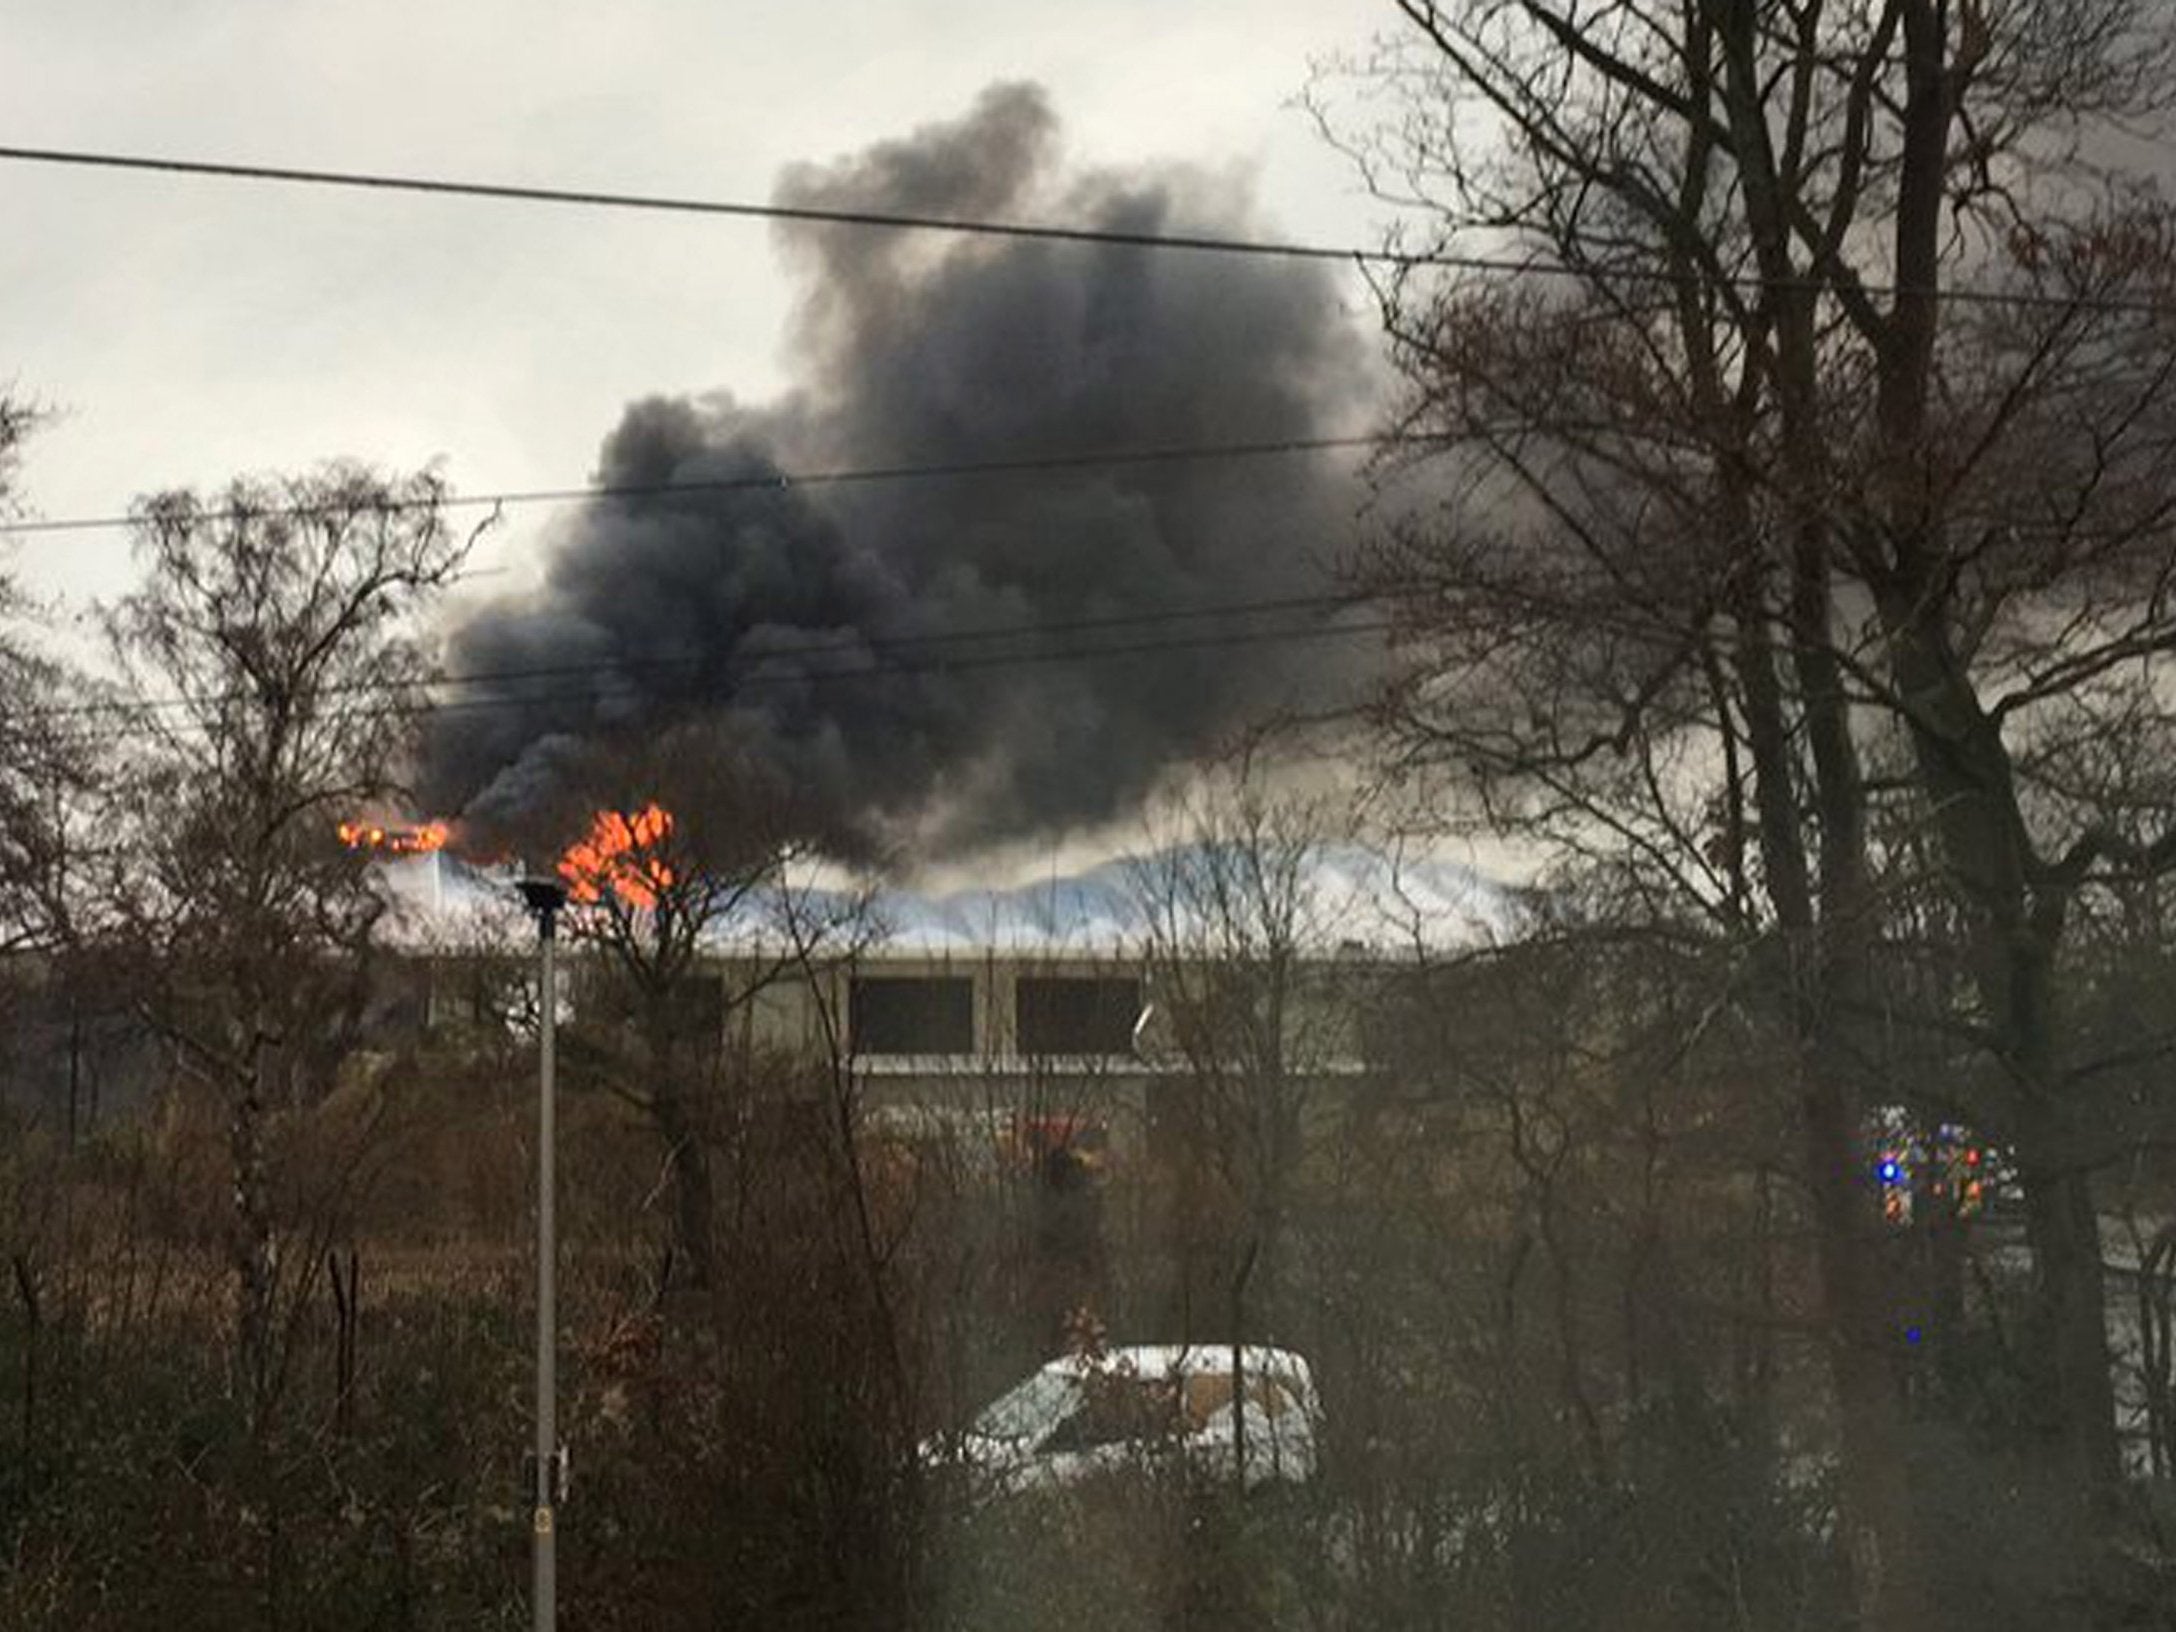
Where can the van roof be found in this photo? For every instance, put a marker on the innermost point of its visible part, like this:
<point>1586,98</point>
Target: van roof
<point>1183,1360</point>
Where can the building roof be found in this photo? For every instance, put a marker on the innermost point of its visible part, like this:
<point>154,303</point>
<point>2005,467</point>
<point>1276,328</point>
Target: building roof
<point>1355,900</point>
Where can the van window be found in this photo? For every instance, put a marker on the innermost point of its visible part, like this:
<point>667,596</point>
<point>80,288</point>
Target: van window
<point>1209,1392</point>
<point>1120,1410</point>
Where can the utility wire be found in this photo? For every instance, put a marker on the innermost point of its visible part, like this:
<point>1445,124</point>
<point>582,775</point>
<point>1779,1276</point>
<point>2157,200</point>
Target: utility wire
<point>880,646</point>
<point>1059,232</point>
<point>882,667</point>
<point>785,481</point>
<point>730,687</point>
<point>778,481</point>
<point>604,198</point>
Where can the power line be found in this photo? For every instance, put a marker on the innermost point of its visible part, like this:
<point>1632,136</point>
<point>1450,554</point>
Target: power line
<point>886,648</point>
<point>605,198</point>
<point>1057,232</point>
<point>943,664</point>
<point>882,667</point>
<point>877,645</point>
<point>782,481</point>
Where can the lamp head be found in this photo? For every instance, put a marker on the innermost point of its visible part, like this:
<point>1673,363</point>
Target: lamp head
<point>543,897</point>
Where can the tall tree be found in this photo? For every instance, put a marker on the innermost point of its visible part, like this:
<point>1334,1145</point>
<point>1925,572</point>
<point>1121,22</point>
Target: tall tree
<point>684,884</point>
<point>1236,920</point>
<point>276,679</point>
<point>1809,463</point>
<point>51,748</point>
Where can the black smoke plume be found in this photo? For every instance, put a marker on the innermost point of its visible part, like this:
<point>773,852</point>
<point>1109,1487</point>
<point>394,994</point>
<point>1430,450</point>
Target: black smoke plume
<point>809,632</point>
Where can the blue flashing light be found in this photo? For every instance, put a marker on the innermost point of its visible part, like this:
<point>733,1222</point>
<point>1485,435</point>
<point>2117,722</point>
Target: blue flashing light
<point>1912,1335</point>
<point>1891,1172</point>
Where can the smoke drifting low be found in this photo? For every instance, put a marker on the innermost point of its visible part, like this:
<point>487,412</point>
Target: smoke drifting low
<point>809,632</point>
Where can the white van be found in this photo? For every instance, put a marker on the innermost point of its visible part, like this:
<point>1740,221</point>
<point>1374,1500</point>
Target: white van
<point>1146,1406</point>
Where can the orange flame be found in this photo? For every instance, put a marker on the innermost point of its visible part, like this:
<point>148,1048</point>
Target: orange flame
<point>396,838</point>
<point>619,857</point>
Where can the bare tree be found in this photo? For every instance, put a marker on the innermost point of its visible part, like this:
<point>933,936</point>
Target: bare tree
<point>1812,464</point>
<point>274,683</point>
<point>17,417</point>
<point>683,885</point>
<point>1239,944</point>
<point>55,738</point>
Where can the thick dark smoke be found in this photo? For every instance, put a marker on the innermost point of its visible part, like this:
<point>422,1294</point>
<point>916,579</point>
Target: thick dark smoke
<point>734,614</point>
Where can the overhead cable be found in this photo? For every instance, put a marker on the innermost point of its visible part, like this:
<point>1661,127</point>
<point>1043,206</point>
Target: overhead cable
<point>777,481</point>
<point>860,643</point>
<point>1060,232</point>
<point>134,717</point>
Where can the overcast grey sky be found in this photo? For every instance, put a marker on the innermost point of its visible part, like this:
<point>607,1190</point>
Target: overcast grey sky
<point>186,330</point>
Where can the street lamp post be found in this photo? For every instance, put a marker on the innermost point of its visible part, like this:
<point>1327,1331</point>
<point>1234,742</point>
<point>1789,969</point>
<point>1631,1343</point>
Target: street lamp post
<point>544,897</point>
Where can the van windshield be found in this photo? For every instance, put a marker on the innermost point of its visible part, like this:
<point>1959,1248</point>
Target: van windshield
<point>1031,1410</point>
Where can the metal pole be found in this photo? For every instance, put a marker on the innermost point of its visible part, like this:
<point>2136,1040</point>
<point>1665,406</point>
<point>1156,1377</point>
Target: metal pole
<point>547,1307</point>
<point>544,898</point>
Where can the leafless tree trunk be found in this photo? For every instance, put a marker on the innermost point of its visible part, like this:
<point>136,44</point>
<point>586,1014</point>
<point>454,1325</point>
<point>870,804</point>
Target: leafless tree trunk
<point>1807,436</point>
<point>261,613</point>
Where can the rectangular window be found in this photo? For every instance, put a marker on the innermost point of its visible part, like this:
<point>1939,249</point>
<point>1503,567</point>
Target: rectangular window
<point>1074,1014</point>
<point>912,1014</point>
